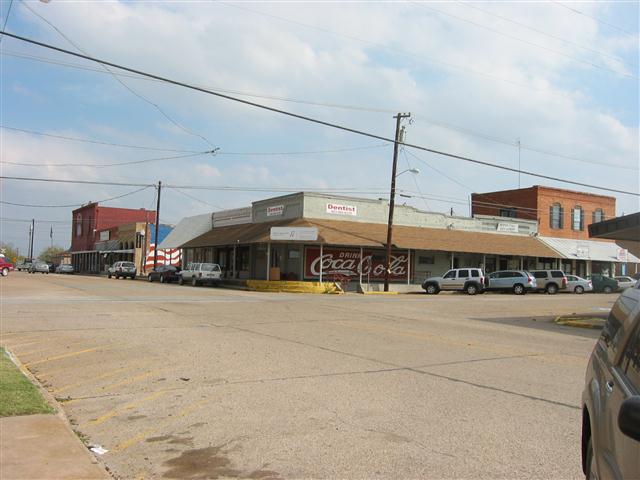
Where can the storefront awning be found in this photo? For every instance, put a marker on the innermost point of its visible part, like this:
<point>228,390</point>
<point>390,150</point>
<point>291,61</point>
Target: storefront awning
<point>590,250</point>
<point>359,234</point>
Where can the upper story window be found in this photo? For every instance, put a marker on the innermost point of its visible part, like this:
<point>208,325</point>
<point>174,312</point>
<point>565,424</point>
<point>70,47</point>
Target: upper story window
<point>577,218</point>
<point>556,216</point>
<point>508,212</point>
<point>79,225</point>
<point>598,215</point>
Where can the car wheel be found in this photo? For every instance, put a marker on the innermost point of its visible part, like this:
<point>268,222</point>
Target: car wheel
<point>133,277</point>
<point>471,289</point>
<point>579,290</point>
<point>607,289</point>
<point>432,289</point>
<point>181,280</point>
<point>108,275</point>
<point>518,289</point>
<point>552,289</point>
<point>194,282</point>
<point>591,473</point>
<point>161,279</point>
<point>5,272</point>
<point>150,279</point>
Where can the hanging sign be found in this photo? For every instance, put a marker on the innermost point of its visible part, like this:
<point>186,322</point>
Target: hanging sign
<point>309,234</point>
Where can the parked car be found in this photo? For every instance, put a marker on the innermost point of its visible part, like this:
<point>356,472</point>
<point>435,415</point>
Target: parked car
<point>470,280</point>
<point>65,268</point>
<point>39,267</point>
<point>122,269</point>
<point>5,266</point>
<point>550,280</point>
<point>516,281</point>
<point>602,283</point>
<point>625,282</point>
<point>201,273</point>
<point>578,285</point>
<point>164,273</point>
<point>611,395</point>
<point>23,266</point>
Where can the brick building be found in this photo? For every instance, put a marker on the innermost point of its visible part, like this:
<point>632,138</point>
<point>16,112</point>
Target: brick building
<point>560,213</point>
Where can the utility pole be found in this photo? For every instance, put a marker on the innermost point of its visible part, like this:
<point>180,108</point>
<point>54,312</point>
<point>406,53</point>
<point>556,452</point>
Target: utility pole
<point>155,250</point>
<point>31,232</point>
<point>518,142</point>
<point>392,198</point>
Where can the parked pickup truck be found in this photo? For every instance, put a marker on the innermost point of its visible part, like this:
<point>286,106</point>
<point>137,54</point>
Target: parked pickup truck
<point>5,266</point>
<point>200,274</point>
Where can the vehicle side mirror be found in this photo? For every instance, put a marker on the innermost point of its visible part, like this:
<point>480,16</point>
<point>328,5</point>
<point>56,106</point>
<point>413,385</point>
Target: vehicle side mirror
<point>629,417</point>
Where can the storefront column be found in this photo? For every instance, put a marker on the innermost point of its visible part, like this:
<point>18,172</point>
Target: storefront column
<point>557,264</point>
<point>268,260</point>
<point>233,264</point>
<point>409,267</point>
<point>574,268</point>
<point>321,262</point>
<point>613,269</point>
<point>521,263</point>
<point>452,260</point>
<point>484,263</point>
<point>588,267</point>
<point>360,266</point>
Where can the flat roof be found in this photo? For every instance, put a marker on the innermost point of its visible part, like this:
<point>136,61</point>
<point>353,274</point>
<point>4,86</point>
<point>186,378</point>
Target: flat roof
<point>626,227</point>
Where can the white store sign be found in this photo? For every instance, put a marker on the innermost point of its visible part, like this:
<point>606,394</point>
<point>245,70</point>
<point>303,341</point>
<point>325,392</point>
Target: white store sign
<point>309,234</point>
<point>275,210</point>
<point>336,209</point>
<point>104,235</point>
<point>508,227</point>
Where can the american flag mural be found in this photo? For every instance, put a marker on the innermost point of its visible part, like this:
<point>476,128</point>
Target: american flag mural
<point>166,256</point>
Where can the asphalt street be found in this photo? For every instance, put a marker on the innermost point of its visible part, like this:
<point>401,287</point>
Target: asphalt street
<point>184,382</point>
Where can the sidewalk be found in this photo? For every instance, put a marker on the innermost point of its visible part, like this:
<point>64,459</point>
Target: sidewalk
<point>43,447</point>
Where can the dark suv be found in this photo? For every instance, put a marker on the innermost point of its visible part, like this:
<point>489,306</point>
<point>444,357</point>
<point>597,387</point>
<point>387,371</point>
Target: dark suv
<point>611,396</point>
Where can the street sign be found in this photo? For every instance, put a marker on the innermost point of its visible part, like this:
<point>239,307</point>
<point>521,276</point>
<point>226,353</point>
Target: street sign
<point>294,233</point>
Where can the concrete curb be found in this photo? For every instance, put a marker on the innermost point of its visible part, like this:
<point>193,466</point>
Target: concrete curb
<point>291,287</point>
<point>581,322</point>
<point>380,293</point>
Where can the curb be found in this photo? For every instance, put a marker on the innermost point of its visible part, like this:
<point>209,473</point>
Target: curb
<point>581,322</point>
<point>380,293</point>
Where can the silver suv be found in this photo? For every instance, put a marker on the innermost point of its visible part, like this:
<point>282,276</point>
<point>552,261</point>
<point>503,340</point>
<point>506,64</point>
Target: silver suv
<point>200,273</point>
<point>611,396</point>
<point>122,269</point>
<point>550,280</point>
<point>516,281</point>
<point>470,280</point>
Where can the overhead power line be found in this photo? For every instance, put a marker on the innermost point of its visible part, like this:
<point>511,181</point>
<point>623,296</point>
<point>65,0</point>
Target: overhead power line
<point>6,17</point>
<point>103,165</point>
<point>78,182</point>
<point>121,82</point>
<point>317,121</point>
<point>603,22</point>
<point>449,126</point>
<point>72,204</point>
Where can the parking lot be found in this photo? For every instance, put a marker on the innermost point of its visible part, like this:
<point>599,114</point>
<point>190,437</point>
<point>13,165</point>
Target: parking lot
<point>184,382</point>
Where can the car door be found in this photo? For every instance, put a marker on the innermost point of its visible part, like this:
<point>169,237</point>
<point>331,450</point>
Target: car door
<point>493,281</point>
<point>462,278</point>
<point>448,280</point>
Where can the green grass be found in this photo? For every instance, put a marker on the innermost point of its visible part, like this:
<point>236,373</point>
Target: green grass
<point>18,396</point>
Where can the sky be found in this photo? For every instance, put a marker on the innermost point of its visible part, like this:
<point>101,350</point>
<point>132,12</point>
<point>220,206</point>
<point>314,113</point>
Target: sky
<point>561,78</point>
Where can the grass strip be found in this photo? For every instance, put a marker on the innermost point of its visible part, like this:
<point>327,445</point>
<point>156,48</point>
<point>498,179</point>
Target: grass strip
<point>18,396</point>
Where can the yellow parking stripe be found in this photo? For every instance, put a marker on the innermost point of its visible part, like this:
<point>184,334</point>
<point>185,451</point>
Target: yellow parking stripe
<point>28,343</point>
<point>66,355</point>
<point>108,374</point>
<point>51,347</point>
<point>134,379</point>
<point>103,418</point>
<point>181,413</point>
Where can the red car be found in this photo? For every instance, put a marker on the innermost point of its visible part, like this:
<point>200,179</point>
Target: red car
<point>5,266</point>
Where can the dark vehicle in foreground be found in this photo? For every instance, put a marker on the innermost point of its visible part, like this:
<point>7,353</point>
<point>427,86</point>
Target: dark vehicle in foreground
<point>611,396</point>
<point>516,281</point>
<point>164,274</point>
<point>122,270</point>
<point>65,268</point>
<point>39,267</point>
<point>5,266</point>
<point>602,283</point>
<point>23,266</point>
<point>550,281</point>
<point>470,280</point>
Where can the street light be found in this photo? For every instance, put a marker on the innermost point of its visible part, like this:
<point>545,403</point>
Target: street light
<point>415,171</point>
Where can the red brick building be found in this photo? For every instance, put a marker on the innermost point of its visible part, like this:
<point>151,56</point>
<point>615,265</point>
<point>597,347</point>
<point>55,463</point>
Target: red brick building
<point>92,218</point>
<point>560,213</point>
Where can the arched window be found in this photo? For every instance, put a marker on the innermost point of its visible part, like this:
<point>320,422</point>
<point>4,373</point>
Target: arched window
<point>79,225</point>
<point>577,218</point>
<point>556,214</point>
<point>598,215</point>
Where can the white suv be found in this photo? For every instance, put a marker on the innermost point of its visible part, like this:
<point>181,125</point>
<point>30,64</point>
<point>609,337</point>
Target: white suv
<point>200,273</point>
<point>470,280</point>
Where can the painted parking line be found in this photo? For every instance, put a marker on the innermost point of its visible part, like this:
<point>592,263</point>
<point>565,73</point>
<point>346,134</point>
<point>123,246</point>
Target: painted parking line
<point>66,355</point>
<point>129,406</point>
<point>32,352</point>
<point>135,379</point>
<point>108,374</point>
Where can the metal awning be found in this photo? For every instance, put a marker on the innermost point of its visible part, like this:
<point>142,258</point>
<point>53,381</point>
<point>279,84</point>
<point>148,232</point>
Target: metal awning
<point>589,250</point>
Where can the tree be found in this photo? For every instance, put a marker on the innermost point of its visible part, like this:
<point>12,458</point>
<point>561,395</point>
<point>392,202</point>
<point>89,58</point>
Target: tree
<point>11,252</point>
<point>51,254</point>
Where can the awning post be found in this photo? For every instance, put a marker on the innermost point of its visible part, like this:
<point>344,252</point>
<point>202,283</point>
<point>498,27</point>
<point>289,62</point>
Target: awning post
<point>361,265</point>
<point>268,259</point>
<point>409,267</point>
<point>321,263</point>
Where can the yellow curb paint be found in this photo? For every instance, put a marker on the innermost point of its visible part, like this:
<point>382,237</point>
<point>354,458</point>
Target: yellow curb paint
<point>580,322</point>
<point>108,374</point>
<point>66,355</point>
<point>291,286</point>
<point>115,412</point>
<point>181,413</point>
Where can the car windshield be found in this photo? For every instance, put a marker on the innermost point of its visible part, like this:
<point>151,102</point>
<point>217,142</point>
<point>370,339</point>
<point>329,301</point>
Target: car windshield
<point>210,267</point>
<point>128,264</point>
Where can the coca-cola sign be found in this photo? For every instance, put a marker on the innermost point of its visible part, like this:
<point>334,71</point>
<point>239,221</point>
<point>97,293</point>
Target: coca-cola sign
<point>347,262</point>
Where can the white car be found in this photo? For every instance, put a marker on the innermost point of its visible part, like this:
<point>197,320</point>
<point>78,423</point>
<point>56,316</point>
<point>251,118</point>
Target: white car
<point>625,282</point>
<point>578,285</point>
<point>200,273</point>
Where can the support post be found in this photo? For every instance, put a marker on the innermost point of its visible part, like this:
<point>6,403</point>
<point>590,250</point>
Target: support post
<point>31,235</point>
<point>452,260</point>
<point>392,199</point>
<point>321,263</point>
<point>233,264</point>
<point>155,250</point>
<point>409,267</point>
<point>268,261</point>
<point>361,265</point>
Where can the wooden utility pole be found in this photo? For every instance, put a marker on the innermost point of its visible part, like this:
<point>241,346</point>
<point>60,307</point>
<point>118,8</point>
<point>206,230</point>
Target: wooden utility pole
<point>392,198</point>
<point>155,250</point>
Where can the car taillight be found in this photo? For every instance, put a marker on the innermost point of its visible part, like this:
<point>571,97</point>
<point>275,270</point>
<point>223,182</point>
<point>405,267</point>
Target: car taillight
<point>119,269</point>
<point>530,280</point>
<point>564,281</point>
<point>590,284</point>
